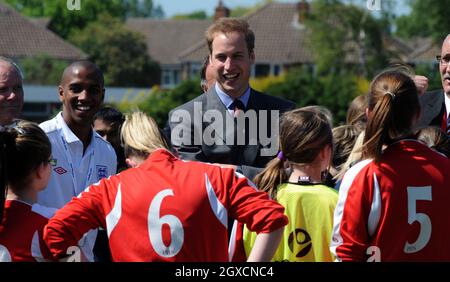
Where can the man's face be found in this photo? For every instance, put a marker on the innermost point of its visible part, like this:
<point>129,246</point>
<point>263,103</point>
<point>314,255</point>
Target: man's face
<point>81,92</point>
<point>108,131</point>
<point>445,69</point>
<point>232,62</point>
<point>11,94</point>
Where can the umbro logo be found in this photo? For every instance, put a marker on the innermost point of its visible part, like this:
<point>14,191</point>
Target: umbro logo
<point>59,170</point>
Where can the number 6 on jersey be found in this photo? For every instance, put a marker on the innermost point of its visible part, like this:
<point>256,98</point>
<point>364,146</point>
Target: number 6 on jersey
<point>155,224</point>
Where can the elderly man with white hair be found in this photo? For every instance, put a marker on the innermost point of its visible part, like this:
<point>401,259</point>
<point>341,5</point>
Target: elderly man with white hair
<point>11,91</point>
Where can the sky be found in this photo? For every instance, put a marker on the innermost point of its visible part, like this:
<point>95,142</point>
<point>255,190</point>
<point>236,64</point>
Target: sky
<point>173,7</point>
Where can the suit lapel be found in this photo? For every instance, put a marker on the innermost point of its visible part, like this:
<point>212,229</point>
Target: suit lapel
<point>433,108</point>
<point>251,151</point>
<point>213,102</point>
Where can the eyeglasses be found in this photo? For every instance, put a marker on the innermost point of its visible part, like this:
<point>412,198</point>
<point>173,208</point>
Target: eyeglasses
<point>52,161</point>
<point>443,61</point>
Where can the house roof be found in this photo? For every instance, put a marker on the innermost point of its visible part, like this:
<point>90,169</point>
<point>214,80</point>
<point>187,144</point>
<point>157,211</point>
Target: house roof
<point>423,50</point>
<point>43,22</point>
<point>167,38</point>
<point>279,37</point>
<point>22,38</point>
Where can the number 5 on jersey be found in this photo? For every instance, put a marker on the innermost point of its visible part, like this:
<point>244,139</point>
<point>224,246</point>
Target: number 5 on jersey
<point>415,194</point>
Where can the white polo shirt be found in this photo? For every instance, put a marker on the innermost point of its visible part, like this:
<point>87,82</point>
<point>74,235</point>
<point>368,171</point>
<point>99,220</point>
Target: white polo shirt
<point>74,171</point>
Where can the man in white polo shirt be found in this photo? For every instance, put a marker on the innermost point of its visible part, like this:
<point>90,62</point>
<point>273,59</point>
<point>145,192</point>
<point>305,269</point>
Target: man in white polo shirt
<point>80,156</point>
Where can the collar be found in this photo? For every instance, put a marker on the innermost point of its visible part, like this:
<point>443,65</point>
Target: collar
<point>67,133</point>
<point>227,100</point>
<point>158,155</point>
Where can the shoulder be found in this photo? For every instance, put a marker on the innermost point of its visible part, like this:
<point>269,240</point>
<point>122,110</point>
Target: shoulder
<point>432,96</point>
<point>189,106</point>
<point>103,146</point>
<point>49,126</point>
<point>100,141</point>
<point>273,101</point>
<point>359,169</point>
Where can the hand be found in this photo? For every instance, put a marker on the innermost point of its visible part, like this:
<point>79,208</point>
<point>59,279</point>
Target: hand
<point>421,84</point>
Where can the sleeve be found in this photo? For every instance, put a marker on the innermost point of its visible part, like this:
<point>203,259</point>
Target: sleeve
<point>80,215</point>
<point>250,171</point>
<point>181,130</point>
<point>350,239</point>
<point>252,207</point>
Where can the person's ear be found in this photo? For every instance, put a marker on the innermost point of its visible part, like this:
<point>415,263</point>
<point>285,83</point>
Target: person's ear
<point>325,155</point>
<point>61,93</point>
<point>41,171</point>
<point>130,162</point>
<point>367,113</point>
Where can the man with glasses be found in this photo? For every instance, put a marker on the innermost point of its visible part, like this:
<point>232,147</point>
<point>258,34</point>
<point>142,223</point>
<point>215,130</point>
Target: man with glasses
<point>436,104</point>
<point>11,91</point>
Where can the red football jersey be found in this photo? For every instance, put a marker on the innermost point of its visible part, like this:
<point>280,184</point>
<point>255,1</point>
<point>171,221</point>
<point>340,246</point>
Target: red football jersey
<point>397,210</point>
<point>165,210</point>
<point>21,232</point>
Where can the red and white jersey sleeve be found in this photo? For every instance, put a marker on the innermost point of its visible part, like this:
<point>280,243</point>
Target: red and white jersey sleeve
<point>165,210</point>
<point>21,232</point>
<point>396,210</point>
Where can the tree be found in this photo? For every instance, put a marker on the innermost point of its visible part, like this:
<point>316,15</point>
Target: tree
<point>333,90</point>
<point>427,18</point>
<point>345,38</point>
<point>157,103</point>
<point>139,8</point>
<point>65,22</point>
<point>42,70</point>
<point>119,52</point>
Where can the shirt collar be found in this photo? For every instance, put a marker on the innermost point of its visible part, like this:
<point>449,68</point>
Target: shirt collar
<point>67,133</point>
<point>227,100</point>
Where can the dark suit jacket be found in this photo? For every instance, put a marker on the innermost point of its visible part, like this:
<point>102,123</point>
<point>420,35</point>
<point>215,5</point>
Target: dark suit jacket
<point>432,109</point>
<point>247,156</point>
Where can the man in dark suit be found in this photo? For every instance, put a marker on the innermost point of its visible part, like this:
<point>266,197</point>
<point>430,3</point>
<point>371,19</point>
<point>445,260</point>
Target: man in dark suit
<point>436,104</point>
<point>230,124</point>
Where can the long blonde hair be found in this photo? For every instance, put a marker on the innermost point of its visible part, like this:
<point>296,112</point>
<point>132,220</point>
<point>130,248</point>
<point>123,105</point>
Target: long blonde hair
<point>141,135</point>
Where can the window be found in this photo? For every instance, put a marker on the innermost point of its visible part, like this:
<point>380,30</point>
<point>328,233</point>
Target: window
<point>262,70</point>
<point>195,70</point>
<point>170,77</point>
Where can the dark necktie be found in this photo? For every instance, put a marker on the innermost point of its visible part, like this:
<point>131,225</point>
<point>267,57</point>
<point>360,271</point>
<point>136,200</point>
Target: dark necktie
<point>445,126</point>
<point>448,126</point>
<point>238,107</point>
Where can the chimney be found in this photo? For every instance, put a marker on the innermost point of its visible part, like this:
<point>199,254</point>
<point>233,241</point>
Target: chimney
<point>221,11</point>
<point>303,11</point>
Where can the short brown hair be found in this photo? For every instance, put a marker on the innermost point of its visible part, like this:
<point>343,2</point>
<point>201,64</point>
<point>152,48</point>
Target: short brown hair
<point>227,25</point>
